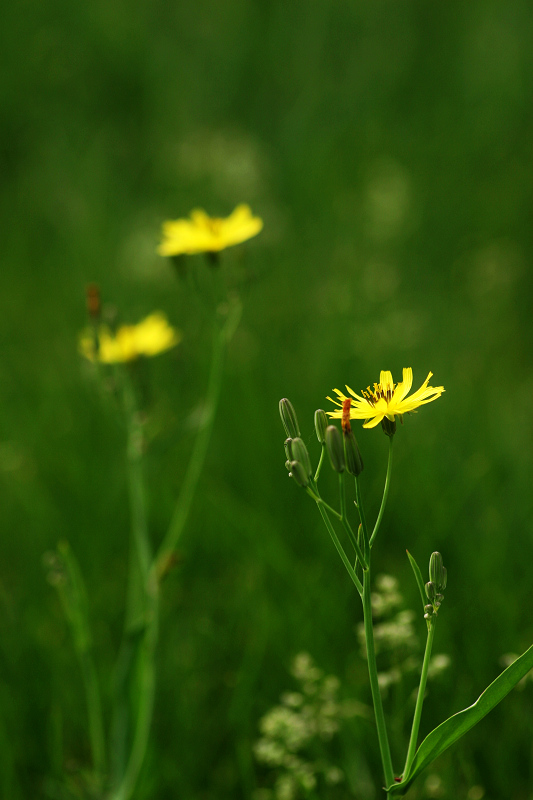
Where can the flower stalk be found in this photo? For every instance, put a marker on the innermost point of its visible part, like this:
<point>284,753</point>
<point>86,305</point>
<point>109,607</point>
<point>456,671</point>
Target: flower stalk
<point>382,404</point>
<point>385,493</point>
<point>420,698</point>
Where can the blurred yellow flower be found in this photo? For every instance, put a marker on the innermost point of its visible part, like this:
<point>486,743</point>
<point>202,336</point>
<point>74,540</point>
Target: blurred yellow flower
<point>204,234</point>
<point>149,337</point>
<point>386,399</point>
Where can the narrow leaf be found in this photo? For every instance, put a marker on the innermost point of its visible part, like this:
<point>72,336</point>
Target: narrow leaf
<point>418,576</point>
<point>453,728</point>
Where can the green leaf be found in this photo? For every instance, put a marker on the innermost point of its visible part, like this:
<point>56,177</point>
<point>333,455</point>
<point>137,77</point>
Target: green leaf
<point>453,728</point>
<point>418,576</point>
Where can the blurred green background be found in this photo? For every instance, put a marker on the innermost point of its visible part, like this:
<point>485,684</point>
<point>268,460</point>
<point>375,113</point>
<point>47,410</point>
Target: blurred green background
<point>387,147</point>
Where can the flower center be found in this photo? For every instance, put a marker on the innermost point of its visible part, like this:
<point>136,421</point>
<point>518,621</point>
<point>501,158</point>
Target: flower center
<point>373,396</point>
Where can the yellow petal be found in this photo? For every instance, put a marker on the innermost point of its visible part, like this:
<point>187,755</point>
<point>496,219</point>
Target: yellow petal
<point>385,379</point>
<point>373,422</point>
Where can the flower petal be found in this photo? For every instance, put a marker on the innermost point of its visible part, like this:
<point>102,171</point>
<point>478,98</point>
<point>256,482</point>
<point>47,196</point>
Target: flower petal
<point>373,422</point>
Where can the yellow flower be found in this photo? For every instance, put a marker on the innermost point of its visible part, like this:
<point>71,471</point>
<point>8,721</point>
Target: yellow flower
<point>204,234</point>
<point>386,399</point>
<point>149,337</point>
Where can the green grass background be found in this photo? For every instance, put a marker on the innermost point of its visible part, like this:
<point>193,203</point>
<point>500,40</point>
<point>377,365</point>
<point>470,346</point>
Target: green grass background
<point>388,148</point>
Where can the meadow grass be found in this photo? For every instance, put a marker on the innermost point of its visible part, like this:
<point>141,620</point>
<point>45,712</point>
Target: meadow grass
<point>387,149</point>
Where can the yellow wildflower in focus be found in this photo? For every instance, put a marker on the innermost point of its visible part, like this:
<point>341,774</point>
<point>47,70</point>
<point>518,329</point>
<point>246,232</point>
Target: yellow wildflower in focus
<point>204,234</point>
<point>149,337</point>
<point>386,399</point>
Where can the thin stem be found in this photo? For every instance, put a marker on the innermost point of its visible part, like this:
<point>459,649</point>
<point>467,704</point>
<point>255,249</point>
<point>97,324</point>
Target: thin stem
<point>420,699</point>
<point>194,469</point>
<point>340,550</point>
<point>141,628</point>
<point>135,478</point>
<point>94,711</point>
<point>362,517</point>
<point>374,684</point>
<point>321,461</point>
<point>312,491</point>
<point>385,494</point>
<point>346,524</point>
<point>146,693</point>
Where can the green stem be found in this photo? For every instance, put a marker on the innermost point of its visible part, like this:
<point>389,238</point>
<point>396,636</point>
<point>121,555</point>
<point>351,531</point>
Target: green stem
<point>94,711</point>
<point>146,692</point>
<point>194,469</point>
<point>374,684</point>
<point>362,517</point>
<point>419,700</point>
<point>340,550</point>
<point>346,524</point>
<point>135,478</point>
<point>141,628</point>
<point>321,461</point>
<point>327,507</point>
<point>385,494</point>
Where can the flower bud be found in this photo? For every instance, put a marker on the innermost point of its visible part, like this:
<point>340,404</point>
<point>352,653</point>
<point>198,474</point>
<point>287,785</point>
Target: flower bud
<point>354,462</point>
<point>288,465</point>
<point>321,423</point>
<point>437,572</point>
<point>428,611</point>
<point>287,445</point>
<point>431,591</point>
<point>299,474</point>
<point>335,448</point>
<point>289,418</point>
<point>299,453</point>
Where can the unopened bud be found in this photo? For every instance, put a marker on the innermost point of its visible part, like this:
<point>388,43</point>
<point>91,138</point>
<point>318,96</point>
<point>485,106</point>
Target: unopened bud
<point>299,474</point>
<point>287,445</point>
<point>299,453</point>
<point>289,418</point>
<point>431,591</point>
<point>437,572</point>
<point>335,448</point>
<point>354,462</point>
<point>388,426</point>
<point>428,611</point>
<point>94,305</point>
<point>288,465</point>
<point>321,423</point>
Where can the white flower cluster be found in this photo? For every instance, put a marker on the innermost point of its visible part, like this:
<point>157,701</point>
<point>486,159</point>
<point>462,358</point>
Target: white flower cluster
<point>304,719</point>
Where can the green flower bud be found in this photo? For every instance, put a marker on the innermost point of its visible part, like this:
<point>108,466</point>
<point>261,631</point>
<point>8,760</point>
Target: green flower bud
<point>287,445</point>
<point>431,591</point>
<point>299,474</point>
<point>354,462</point>
<point>437,572</point>
<point>289,418</point>
<point>428,611</point>
<point>388,426</point>
<point>321,423</point>
<point>288,465</point>
<point>299,453</point>
<point>335,448</point>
